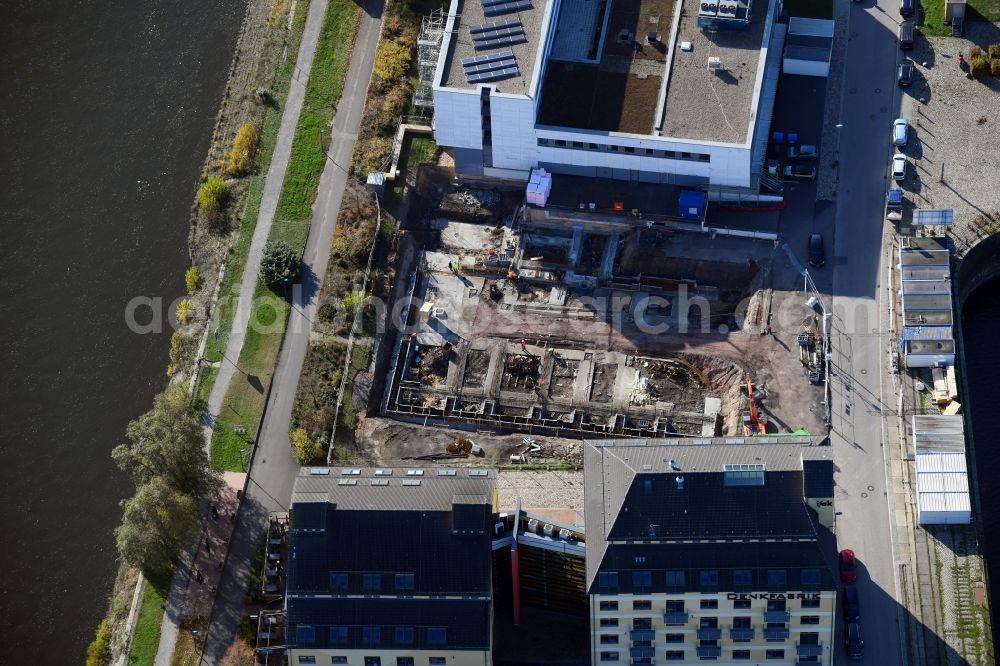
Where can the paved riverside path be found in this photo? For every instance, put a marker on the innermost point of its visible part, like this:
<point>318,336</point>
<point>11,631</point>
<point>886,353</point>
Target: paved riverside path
<point>273,183</point>
<point>269,203</point>
<point>272,468</point>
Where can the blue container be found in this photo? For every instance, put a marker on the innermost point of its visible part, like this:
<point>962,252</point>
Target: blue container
<point>691,204</point>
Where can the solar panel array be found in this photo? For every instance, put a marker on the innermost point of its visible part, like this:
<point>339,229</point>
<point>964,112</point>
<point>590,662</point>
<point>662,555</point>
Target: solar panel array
<point>497,7</point>
<point>929,216</point>
<point>490,67</point>
<point>499,33</point>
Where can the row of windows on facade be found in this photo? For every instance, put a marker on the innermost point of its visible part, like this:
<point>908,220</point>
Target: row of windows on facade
<point>374,661</point>
<point>631,150</point>
<point>371,582</point>
<point>709,578</point>
<point>738,622</point>
<point>305,634</point>
<point>679,655</point>
<point>677,605</point>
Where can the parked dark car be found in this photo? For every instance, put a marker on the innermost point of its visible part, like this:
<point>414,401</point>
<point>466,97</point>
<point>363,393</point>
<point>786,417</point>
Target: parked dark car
<point>851,604</point>
<point>853,642</point>
<point>804,152</point>
<point>905,75</point>
<point>905,35</point>
<point>907,7</point>
<point>817,251</point>
<point>799,172</point>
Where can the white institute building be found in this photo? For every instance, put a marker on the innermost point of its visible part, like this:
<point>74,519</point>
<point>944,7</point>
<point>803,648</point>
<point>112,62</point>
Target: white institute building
<point>640,90</point>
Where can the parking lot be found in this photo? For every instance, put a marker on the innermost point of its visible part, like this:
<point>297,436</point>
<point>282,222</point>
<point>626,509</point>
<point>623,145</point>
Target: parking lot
<point>954,131</point>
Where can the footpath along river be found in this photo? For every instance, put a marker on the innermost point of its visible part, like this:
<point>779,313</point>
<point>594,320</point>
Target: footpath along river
<point>105,118</point>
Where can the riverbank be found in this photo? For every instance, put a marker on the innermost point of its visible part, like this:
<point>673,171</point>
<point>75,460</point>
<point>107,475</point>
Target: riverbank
<point>246,394</point>
<point>263,61</point>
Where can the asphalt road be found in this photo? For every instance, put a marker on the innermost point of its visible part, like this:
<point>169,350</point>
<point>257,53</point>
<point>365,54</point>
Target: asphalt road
<point>272,468</point>
<point>862,403</point>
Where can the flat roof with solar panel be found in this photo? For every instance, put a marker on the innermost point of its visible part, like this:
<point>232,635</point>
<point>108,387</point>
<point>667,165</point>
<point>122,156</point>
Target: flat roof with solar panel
<point>493,42</point>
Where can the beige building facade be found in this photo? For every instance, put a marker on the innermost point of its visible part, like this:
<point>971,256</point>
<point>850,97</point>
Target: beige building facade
<point>384,657</point>
<point>709,551</point>
<point>723,627</point>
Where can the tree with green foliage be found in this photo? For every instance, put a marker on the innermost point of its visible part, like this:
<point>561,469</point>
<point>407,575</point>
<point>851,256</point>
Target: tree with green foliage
<point>305,449</point>
<point>212,195</point>
<point>156,523</point>
<point>167,442</point>
<point>280,263</point>
<point>192,278</point>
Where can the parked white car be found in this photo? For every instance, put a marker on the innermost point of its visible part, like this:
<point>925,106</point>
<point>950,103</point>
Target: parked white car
<point>899,167</point>
<point>900,130</point>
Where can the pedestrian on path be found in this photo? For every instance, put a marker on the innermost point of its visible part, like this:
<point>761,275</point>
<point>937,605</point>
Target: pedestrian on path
<point>198,577</point>
<point>215,514</point>
<point>524,345</point>
<point>208,544</point>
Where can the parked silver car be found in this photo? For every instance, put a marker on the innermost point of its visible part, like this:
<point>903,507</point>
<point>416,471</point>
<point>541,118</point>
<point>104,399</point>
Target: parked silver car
<point>899,167</point>
<point>900,130</point>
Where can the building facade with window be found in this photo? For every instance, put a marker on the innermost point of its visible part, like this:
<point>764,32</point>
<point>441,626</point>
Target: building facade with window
<point>708,552</point>
<point>390,567</point>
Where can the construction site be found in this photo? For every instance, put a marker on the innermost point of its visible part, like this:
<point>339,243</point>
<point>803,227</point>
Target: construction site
<point>600,326</point>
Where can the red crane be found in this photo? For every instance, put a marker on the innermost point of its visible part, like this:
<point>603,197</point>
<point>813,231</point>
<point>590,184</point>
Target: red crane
<point>752,423</point>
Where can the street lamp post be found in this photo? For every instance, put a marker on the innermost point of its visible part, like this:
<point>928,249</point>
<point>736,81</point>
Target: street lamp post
<point>810,286</point>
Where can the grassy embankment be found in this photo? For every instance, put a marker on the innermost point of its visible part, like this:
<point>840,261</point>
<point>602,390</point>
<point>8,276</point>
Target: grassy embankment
<point>222,318</point>
<point>931,15</point>
<point>146,638</point>
<point>244,401</point>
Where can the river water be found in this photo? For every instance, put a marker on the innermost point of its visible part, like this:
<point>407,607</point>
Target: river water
<point>980,323</point>
<point>106,113</point>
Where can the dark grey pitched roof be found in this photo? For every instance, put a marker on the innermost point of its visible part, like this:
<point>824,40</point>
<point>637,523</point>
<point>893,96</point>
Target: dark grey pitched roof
<point>632,493</point>
<point>720,561</point>
<point>818,478</point>
<point>656,507</point>
<point>386,543</point>
<point>391,536</point>
<point>466,623</point>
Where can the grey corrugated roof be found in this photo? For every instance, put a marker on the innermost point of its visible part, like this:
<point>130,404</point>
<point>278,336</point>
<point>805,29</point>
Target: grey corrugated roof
<point>937,433</point>
<point>631,491</point>
<point>394,489</point>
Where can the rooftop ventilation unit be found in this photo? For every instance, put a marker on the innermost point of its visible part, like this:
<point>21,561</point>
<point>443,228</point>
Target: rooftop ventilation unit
<point>715,64</point>
<point>679,480</point>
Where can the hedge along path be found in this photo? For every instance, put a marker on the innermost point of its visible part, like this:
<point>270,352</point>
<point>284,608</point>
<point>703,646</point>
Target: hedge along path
<point>268,205</point>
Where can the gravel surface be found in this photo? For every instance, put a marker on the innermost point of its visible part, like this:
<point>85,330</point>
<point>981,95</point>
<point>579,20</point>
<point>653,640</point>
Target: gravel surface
<point>955,122</point>
<point>542,490</point>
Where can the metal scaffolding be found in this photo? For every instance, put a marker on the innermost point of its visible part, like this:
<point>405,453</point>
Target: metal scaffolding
<point>428,49</point>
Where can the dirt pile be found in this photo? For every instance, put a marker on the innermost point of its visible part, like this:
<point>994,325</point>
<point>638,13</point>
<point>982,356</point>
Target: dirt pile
<point>434,364</point>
